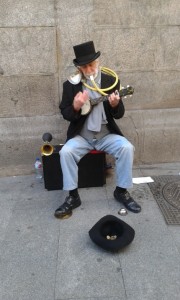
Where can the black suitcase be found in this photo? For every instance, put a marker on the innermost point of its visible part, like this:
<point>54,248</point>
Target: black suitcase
<point>91,170</point>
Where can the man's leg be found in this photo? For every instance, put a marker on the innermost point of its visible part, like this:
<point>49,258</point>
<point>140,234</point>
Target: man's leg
<point>70,155</point>
<point>123,152</point>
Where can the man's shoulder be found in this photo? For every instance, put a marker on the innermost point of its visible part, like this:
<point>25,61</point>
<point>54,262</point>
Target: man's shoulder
<point>70,88</point>
<point>105,75</point>
<point>108,80</point>
<point>68,83</point>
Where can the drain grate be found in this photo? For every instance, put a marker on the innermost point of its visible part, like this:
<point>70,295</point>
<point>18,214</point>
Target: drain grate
<point>166,192</point>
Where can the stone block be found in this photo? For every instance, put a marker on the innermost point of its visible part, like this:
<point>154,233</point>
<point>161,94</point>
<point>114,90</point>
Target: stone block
<point>168,44</point>
<point>28,96</point>
<point>73,22</point>
<point>28,50</point>
<point>144,49</point>
<point>135,13</point>
<point>27,13</point>
<point>154,133</point>
<point>152,90</point>
<point>21,140</point>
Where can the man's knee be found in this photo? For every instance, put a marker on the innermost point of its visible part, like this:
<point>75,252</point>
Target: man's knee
<point>130,147</point>
<point>127,148</point>
<point>65,151</point>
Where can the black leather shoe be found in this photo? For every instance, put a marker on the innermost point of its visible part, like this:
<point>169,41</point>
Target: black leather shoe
<point>127,201</point>
<point>66,208</point>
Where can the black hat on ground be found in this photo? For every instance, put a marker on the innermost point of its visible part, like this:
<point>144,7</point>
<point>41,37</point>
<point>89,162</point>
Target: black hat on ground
<point>111,233</point>
<point>85,53</point>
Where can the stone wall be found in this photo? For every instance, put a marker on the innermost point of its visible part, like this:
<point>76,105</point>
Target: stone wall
<point>138,39</point>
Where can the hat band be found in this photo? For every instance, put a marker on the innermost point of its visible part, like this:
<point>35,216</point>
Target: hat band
<point>86,58</point>
<point>83,60</point>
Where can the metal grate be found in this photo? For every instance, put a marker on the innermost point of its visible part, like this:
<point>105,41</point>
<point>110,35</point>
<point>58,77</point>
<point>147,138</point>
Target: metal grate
<point>166,191</point>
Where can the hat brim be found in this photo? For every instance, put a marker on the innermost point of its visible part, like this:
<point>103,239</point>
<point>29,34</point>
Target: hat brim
<point>86,59</point>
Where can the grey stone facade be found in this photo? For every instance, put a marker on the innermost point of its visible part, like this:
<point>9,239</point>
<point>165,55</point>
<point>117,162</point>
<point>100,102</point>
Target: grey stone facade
<point>138,39</point>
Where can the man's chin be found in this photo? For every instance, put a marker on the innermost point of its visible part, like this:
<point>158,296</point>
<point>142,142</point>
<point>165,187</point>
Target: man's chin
<point>89,76</point>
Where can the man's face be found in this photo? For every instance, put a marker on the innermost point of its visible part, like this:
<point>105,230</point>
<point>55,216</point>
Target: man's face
<point>90,69</point>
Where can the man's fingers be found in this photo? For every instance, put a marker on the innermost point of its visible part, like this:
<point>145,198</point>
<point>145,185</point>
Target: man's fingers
<point>85,95</point>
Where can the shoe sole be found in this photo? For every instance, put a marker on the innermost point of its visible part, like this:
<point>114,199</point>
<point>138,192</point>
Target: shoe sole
<point>64,216</point>
<point>67,214</point>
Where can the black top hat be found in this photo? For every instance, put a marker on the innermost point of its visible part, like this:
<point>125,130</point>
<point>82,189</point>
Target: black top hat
<point>85,53</point>
<point>111,233</point>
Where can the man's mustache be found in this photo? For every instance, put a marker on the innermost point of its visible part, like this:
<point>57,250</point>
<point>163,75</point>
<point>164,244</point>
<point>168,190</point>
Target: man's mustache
<point>94,74</point>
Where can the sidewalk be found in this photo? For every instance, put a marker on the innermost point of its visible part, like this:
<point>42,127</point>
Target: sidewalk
<point>43,258</point>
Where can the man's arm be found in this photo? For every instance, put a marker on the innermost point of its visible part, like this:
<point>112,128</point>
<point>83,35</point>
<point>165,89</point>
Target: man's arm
<point>66,106</point>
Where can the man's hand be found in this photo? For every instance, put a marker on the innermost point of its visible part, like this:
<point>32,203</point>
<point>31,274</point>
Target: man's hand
<point>80,99</point>
<point>114,99</point>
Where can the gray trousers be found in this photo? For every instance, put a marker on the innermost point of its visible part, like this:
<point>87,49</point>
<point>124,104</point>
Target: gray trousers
<point>117,146</point>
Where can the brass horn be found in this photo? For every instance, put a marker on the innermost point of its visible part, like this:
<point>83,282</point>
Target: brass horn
<point>77,78</point>
<point>47,149</point>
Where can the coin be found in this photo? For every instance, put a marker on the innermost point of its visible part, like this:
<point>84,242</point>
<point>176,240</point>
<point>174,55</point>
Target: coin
<point>111,237</point>
<point>122,212</point>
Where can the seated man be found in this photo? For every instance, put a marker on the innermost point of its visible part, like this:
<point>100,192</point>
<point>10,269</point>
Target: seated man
<point>94,130</point>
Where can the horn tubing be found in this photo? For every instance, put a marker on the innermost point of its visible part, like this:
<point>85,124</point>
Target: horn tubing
<point>97,88</point>
<point>77,77</point>
<point>102,91</point>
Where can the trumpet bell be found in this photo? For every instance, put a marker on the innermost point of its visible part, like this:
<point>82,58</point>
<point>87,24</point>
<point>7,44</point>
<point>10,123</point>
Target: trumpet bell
<point>47,149</point>
<point>75,78</point>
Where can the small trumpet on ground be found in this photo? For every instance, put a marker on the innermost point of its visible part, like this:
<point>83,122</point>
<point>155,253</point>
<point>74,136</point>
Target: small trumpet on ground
<point>47,149</point>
